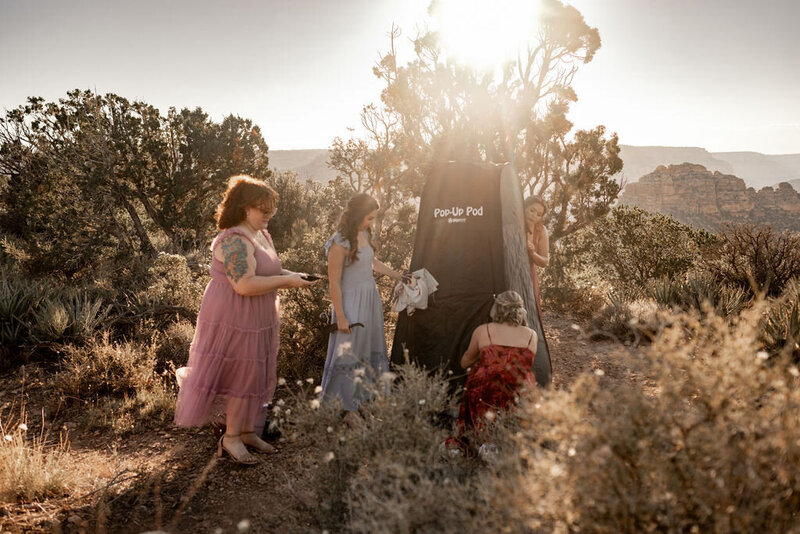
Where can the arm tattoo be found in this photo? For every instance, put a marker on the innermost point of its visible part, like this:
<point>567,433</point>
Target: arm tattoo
<point>235,253</point>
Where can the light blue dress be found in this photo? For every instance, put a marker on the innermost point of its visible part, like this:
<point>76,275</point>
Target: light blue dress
<point>356,361</point>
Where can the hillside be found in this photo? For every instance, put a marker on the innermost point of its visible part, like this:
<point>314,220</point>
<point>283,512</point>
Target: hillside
<point>757,170</point>
<point>695,195</point>
<point>308,164</point>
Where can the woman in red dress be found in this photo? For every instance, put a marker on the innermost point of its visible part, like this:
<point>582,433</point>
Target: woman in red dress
<point>538,241</point>
<point>501,356</point>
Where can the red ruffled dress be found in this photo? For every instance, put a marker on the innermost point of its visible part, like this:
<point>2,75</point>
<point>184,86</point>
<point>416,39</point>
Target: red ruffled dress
<point>493,384</point>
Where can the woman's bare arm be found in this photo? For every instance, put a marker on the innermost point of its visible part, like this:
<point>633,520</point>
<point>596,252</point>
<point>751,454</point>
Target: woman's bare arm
<point>381,268</point>
<point>337,255</point>
<point>471,354</point>
<point>539,253</point>
<point>238,258</point>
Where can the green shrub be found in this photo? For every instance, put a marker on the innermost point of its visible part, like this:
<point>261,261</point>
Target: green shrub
<point>305,312</point>
<point>102,367</point>
<point>626,318</point>
<point>756,259</point>
<point>172,345</point>
<point>631,247</point>
<point>173,283</point>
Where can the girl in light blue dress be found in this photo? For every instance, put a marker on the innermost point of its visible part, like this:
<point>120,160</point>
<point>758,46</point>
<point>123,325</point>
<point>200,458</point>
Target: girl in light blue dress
<point>357,355</point>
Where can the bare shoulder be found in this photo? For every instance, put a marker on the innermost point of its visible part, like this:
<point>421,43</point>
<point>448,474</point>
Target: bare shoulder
<point>235,251</point>
<point>534,338</point>
<point>234,243</point>
<point>479,334</point>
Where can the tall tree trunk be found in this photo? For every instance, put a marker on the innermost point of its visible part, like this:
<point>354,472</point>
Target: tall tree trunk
<point>145,245</point>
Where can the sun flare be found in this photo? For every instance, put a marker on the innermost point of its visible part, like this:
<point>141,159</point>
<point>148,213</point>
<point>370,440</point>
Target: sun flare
<point>485,34</point>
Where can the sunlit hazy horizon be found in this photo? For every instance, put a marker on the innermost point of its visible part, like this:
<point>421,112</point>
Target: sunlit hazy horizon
<point>717,74</point>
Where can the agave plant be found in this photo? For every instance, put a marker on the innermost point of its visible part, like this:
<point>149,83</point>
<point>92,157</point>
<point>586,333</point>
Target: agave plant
<point>781,324</point>
<point>51,321</point>
<point>665,291</point>
<point>19,300</point>
<point>86,315</point>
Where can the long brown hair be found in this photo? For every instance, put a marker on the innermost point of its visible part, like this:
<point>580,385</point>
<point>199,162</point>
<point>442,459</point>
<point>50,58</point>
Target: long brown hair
<point>243,192</point>
<point>358,207</point>
<point>530,201</point>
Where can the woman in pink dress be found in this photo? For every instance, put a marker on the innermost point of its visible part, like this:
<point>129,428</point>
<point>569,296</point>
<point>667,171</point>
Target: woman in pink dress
<point>233,354</point>
<point>538,241</point>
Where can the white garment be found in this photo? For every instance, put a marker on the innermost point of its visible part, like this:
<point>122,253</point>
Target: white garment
<point>414,295</point>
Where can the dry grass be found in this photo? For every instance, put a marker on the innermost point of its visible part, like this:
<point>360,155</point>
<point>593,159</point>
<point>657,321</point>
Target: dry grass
<point>32,467</point>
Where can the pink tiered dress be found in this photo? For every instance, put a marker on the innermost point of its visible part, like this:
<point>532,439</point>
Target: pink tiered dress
<point>235,345</point>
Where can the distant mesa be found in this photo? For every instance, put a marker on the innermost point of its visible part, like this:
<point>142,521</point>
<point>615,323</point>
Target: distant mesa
<point>694,195</point>
<point>756,169</point>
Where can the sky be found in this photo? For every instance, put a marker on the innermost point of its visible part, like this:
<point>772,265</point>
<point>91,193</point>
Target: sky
<point>719,74</point>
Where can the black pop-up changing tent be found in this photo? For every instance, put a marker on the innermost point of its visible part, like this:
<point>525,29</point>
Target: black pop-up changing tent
<point>471,238</point>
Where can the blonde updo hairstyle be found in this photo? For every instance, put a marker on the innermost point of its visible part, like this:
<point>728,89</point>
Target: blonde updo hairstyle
<point>509,308</point>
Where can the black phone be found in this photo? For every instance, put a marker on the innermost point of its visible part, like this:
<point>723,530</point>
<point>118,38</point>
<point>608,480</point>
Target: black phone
<point>310,277</point>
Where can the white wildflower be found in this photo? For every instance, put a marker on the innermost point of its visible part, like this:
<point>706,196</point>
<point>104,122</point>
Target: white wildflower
<point>318,389</point>
<point>281,381</point>
<point>489,415</point>
<point>793,371</point>
<point>599,372</point>
<point>288,412</point>
<point>8,437</point>
<point>310,380</point>
<point>571,451</point>
<point>243,525</point>
<point>315,404</point>
<point>762,355</point>
<point>328,457</point>
<point>421,402</point>
<point>329,429</point>
<point>276,409</point>
<point>556,471</point>
<point>360,371</point>
<point>281,402</point>
<point>23,427</point>
<point>388,376</point>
